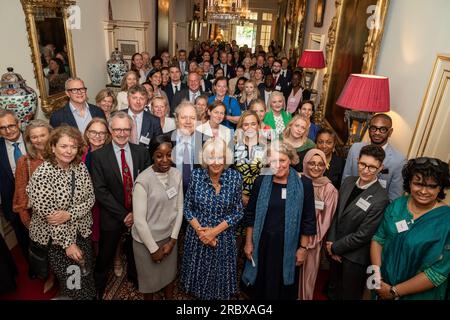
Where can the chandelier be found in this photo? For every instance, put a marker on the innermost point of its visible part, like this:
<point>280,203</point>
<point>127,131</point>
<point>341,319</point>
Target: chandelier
<point>225,12</point>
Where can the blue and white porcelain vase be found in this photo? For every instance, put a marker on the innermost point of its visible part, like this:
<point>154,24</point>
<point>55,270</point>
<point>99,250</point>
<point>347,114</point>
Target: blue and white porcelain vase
<point>17,97</point>
<point>117,67</point>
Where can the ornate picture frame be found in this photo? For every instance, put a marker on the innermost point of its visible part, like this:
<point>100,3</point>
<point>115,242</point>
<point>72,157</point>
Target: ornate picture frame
<point>319,13</point>
<point>353,47</point>
<point>55,13</point>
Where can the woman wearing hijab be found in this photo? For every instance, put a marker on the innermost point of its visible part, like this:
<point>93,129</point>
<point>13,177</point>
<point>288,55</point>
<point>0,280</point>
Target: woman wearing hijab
<point>326,198</point>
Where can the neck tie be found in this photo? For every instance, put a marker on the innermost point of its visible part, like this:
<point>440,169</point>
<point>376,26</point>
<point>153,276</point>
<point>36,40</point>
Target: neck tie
<point>186,167</point>
<point>133,137</point>
<point>17,152</point>
<point>127,180</point>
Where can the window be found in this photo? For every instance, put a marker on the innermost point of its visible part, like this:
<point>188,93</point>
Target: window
<point>265,36</point>
<point>252,15</point>
<point>246,35</point>
<point>266,16</point>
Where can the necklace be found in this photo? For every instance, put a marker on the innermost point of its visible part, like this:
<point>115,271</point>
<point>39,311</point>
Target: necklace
<point>415,211</point>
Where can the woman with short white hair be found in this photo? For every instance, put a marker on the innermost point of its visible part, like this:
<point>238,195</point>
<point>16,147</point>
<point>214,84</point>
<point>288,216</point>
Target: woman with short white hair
<point>213,208</point>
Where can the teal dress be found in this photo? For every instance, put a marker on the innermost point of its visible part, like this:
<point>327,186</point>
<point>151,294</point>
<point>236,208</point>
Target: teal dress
<point>423,247</point>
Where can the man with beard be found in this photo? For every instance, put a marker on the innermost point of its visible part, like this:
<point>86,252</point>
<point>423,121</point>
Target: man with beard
<point>280,82</point>
<point>380,129</point>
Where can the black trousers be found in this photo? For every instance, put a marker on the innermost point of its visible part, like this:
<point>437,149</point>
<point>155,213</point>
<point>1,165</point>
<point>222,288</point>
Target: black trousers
<point>21,232</point>
<point>347,280</point>
<point>108,242</point>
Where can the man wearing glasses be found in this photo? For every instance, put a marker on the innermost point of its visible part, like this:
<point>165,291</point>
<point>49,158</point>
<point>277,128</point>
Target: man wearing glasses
<point>114,170</point>
<point>360,209</point>
<point>12,147</point>
<point>77,112</point>
<point>390,178</point>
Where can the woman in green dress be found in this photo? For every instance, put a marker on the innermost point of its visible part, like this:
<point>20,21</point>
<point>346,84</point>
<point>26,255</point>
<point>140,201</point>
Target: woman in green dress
<point>411,249</point>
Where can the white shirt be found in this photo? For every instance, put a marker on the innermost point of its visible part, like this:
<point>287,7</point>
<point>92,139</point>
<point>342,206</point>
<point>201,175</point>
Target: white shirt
<point>169,125</point>
<point>139,118</point>
<point>224,132</point>
<point>128,157</point>
<point>174,87</point>
<point>10,151</point>
<point>193,95</point>
<point>367,186</point>
<point>122,100</point>
<point>266,96</point>
<point>82,122</point>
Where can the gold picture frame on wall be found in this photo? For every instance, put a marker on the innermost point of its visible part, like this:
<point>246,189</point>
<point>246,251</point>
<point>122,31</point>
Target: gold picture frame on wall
<point>48,29</point>
<point>354,39</point>
<point>319,13</point>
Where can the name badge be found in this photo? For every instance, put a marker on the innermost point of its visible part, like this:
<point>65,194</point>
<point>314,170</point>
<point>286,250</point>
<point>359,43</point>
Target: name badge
<point>319,204</point>
<point>292,100</point>
<point>283,193</point>
<point>278,88</point>
<point>383,183</point>
<point>363,204</point>
<point>144,140</point>
<point>171,192</point>
<point>402,226</point>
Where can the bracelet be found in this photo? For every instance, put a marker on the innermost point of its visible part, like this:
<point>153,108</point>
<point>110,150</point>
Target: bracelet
<point>393,290</point>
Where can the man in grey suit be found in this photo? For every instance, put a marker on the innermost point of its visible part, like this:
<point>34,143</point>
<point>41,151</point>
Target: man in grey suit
<point>362,201</point>
<point>390,178</point>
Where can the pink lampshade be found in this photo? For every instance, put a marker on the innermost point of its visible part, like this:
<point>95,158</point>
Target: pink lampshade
<point>364,92</point>
<point>313,59</point>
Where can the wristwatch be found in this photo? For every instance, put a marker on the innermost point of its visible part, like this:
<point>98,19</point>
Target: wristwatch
<point>393,291</point>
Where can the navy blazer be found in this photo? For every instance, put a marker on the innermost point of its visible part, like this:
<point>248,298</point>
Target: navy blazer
<point>183,94</point>
<point>108,185</point>
<point>230,71</point>
<point>170,95</point>
<point>7,182</point>
<point>151,127</point>
<point>65,116</point>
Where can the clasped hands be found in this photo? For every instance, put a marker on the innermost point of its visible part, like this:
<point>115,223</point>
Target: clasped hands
<point>58,217</point>
<point>335,257</point>
<point>163,251</point>
<point>207,235</point>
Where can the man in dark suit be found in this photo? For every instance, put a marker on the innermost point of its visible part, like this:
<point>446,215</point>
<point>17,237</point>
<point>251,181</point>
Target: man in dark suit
<point>228,71</point>
<point>187,141</point>
<point>362,201</point>
<point>207,77</point>
<point>114,169</point>
<point>77,112</point>
<point>175,85</point>
<point>182,63</point>
<point>191,93</point>
<point>260,63</point>
<point>285,71</point>
<point>145,125</point>
<point>11,148</point>
<point>280,83</point>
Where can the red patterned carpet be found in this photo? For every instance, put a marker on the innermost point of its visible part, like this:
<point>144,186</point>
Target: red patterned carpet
<point>117,289</point>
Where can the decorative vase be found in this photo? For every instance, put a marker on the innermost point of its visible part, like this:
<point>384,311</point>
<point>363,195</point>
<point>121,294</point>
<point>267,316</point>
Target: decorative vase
<point>117,67</point>
<point>17,97</point>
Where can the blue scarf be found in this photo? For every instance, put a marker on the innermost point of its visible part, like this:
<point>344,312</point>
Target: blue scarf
<point>292,219</point>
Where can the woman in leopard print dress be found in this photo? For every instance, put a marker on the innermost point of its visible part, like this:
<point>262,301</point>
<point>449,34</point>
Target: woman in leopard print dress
<point>61,197</point>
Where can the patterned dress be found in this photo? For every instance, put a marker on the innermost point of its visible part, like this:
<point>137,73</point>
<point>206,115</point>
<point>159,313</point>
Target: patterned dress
<point>210,272</point>
<point>249,165</point>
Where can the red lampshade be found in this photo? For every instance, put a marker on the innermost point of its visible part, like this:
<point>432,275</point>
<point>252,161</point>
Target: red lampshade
<point>313,59</point>
<point>364,92</point>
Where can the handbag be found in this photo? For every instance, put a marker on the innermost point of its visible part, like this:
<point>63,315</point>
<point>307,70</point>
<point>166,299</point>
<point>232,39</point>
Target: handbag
<point>38,253</point>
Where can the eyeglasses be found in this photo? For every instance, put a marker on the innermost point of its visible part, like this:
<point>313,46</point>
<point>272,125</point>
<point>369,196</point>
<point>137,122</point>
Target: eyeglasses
<point>9,127</point>
<point>381,129</point>
<point>77,90</point>
<point>121,130</point>
<point>94,133</point>
<point>423,160</point>
<point>319,165</point>
<point>372,169</point>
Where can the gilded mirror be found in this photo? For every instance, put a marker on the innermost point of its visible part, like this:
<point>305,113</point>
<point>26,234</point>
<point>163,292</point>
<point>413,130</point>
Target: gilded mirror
<point>50,41</point>
<point>354,39</point>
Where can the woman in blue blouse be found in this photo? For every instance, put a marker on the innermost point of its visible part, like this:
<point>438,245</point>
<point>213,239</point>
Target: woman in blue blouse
<point>213,207</point>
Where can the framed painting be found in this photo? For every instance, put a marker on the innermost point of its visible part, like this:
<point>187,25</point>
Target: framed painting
<point>354,39</point>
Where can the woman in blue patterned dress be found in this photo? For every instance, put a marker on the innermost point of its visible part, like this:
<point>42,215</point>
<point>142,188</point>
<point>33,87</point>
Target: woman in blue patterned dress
<point>213,207</point>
